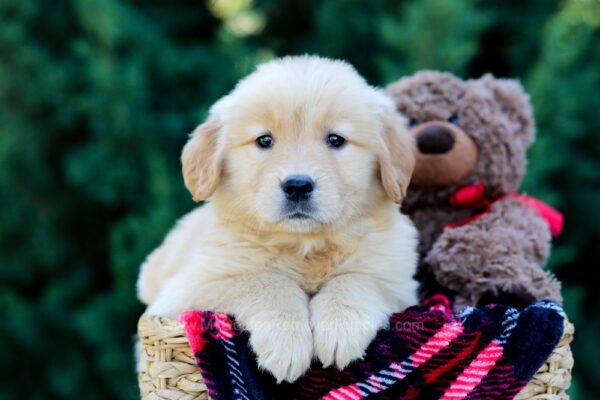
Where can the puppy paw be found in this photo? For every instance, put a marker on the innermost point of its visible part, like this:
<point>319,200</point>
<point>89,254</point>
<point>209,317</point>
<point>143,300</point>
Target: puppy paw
<point>341,334</point>
<point>283,345</point>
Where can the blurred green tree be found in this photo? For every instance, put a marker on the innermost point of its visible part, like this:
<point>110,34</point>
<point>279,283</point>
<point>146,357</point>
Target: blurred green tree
<point>564,83</point>
<point>96,98</point>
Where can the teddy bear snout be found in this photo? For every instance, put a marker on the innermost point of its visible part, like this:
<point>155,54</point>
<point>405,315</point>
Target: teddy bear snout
<point>445,154</point>
<point>435,139</point>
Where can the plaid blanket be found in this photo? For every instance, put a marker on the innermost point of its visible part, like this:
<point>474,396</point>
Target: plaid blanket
<point>426,353</point>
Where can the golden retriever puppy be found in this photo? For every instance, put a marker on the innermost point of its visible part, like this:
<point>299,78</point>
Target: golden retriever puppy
<point>301,240</point>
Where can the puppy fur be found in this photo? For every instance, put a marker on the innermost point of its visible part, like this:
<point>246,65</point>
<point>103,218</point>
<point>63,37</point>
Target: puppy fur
<point>319,286</point>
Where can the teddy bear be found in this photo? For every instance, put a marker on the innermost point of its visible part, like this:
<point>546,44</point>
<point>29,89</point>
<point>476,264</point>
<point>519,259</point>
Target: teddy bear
<point>480,240</point>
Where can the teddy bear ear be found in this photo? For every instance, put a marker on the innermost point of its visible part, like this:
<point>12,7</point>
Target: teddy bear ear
<point>515,104</point>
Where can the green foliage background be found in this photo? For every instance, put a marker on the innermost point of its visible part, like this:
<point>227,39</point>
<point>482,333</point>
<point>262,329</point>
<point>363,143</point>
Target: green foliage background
<point>96,98</point>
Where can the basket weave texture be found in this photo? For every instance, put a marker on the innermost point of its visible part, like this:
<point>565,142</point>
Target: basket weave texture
<point>167,369</point>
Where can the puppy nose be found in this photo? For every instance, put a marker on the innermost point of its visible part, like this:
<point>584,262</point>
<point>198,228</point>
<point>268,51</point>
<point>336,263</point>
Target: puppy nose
<point>297,187</point>
<point>435,139</point>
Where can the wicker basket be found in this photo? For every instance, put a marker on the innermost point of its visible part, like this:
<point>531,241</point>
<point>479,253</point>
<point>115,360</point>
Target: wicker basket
<point>167,369</point>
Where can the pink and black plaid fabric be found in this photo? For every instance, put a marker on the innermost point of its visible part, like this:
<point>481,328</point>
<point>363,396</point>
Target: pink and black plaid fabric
<point>426,353</point>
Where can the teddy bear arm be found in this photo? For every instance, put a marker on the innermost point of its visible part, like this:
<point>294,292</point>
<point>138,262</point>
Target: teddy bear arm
<point>498,256</point>
<point>525,224</point>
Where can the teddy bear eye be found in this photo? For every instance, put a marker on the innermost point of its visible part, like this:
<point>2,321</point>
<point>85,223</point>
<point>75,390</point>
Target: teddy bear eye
<point>413,122</point>
<point>453,119</point>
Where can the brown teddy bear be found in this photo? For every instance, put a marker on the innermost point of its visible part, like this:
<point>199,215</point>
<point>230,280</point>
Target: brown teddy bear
<point>480,241</point>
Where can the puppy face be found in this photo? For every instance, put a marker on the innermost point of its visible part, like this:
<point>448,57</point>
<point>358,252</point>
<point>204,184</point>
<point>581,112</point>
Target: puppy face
<point>300,144</point>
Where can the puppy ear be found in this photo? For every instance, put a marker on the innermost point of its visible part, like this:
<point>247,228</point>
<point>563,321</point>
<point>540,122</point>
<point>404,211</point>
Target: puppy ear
<point>201,160</point>
<point>397,158</point>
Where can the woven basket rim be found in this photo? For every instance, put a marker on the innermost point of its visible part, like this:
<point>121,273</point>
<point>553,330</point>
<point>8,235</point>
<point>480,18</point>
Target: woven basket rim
<point>167,368</point>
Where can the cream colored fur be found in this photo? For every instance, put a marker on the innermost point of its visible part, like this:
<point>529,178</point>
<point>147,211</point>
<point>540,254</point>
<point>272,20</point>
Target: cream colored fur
<point>321,286</point>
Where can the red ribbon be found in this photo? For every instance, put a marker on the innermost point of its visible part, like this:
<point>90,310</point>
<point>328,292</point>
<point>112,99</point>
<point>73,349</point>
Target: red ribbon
<point>473,196</point>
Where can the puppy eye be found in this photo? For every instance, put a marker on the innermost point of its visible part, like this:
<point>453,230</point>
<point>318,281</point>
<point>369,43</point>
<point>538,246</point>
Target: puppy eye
<point>453,119</point>
<point>413,122</point>
<point>264,141</point>
<point>335,141</point>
